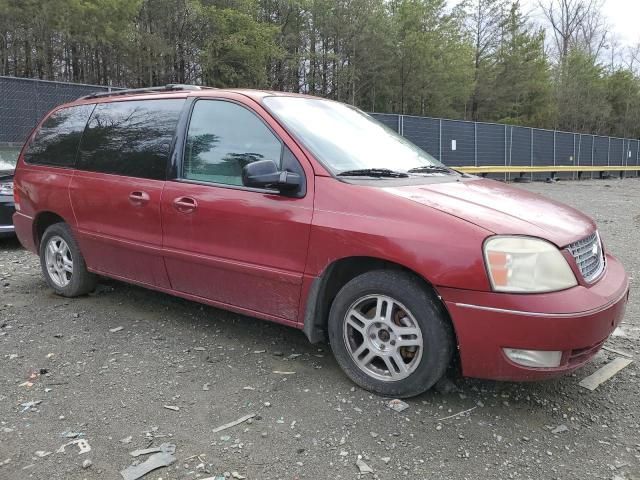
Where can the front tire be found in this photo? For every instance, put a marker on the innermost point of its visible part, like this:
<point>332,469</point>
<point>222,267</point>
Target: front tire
<point>62,263</point>
<point>390,333</point>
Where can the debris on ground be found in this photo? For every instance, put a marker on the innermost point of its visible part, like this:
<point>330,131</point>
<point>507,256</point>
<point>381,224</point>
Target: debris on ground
<point>155,461</point>
<point>33,376</point>
<point>29,405</point>
<point>126,440</point>
<point>172,407</point>
<point>459,414</point>
<point>279,372</point>
<point>560,429</point>
<point>87,463</point>
<point>605,373</point>
<point>115,330</point>
<point>363,467</point>
<point>165,447</point>
<point>237,476</point>
<point>82,444</point>
<point>234,423</point>
<point>397,405</point>
<point>42,453</point>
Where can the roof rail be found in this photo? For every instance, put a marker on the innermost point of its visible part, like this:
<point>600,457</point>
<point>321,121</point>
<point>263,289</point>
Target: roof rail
<point>172,87</point>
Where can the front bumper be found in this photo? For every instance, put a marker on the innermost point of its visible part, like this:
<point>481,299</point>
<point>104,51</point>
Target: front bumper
<point>575,321</point>
<point>6,214</point>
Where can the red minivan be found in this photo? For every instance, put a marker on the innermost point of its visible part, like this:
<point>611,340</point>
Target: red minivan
<point>308,212</point>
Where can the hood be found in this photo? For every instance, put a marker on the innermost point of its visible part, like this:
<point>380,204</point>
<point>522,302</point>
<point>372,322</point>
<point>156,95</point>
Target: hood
<point>502,209</point>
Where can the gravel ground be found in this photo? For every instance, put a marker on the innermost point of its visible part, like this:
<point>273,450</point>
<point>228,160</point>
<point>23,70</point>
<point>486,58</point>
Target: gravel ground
<point>112,388</point>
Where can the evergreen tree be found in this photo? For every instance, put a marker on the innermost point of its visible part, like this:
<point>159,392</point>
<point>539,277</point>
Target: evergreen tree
<point>581,94</point>
<point>522,87</point>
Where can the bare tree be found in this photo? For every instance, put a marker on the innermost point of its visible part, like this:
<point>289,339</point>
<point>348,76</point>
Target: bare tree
<point>566,18</point>
<point>631,58</point>
<point>615,52</point>
<point>593,32</point>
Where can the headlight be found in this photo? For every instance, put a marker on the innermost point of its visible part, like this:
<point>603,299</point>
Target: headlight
<point>6,188</point>
<point>526,264</point>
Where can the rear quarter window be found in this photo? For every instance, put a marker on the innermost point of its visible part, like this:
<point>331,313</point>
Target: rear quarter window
<point>56,142</point>
<point>130,138</point>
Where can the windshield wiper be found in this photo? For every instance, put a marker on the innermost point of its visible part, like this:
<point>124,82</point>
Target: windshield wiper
<point>431,169</point>
<point>373,172</point>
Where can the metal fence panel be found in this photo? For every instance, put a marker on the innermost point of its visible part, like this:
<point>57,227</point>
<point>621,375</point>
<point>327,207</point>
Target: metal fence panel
<point>519,146</point>
<point>585,150</point>
<point>389,119</point>
<point>565,152</point>
<point>424,132</point>
<point>543,147</point>
<point>634,153</point>
<point>491,144</point>
<point>601,151</point>
<point>616,155</point>
<point>458,143</point>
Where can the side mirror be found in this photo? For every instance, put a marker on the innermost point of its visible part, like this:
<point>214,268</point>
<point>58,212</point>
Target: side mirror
<point>265,174</point>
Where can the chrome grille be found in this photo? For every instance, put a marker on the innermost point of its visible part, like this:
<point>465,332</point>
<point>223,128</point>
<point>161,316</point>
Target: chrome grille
<point>589,256</point>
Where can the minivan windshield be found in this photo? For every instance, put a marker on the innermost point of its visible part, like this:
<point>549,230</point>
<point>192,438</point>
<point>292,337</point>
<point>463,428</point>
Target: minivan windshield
<point>347,140</point>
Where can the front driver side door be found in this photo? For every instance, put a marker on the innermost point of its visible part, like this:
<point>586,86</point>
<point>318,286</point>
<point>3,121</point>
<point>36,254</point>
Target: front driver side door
<point>233,245</point>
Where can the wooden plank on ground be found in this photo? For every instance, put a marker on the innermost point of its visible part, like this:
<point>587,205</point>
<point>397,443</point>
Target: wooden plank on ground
<point>605,373</point>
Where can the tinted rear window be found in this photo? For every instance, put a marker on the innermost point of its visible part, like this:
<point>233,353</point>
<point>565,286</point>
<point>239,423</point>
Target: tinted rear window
<point>131,138</point>
<point>56,142</point>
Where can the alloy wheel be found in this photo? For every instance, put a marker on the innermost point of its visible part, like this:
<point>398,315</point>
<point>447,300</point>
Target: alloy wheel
<point>383,337</point>
<point>59,261</point>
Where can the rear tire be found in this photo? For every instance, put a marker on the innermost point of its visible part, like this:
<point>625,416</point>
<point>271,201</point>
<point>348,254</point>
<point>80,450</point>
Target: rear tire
<point>390,333</point>
<point>62,263</point>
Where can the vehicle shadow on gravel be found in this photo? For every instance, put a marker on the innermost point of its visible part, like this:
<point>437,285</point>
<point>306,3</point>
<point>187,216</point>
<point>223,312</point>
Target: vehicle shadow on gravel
<point>9,244</point>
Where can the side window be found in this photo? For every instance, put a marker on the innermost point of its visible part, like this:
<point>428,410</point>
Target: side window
<point>56,142</point>
<point>222,138</point>
<point>130,138</point>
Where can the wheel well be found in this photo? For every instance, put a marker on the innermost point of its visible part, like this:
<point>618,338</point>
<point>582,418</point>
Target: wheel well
<point>326,287</point>
<point>43,221</point>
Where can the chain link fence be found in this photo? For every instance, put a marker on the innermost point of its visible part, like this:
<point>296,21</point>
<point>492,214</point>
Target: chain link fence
<point>24,101</point>
<point>457,143</point>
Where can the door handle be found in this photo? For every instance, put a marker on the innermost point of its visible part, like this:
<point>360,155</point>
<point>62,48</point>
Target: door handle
<point>139,198</point>
<point>185,204</point>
